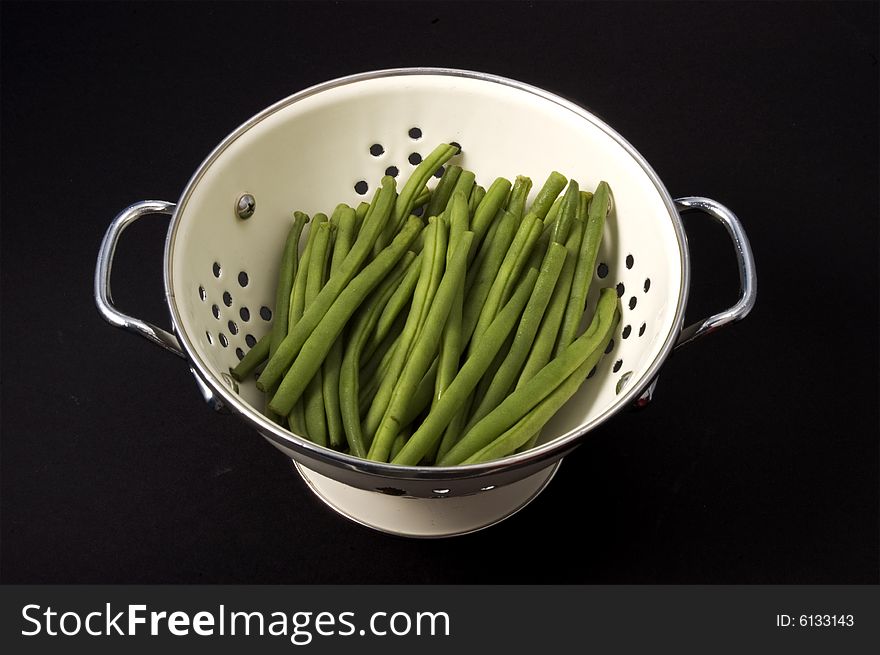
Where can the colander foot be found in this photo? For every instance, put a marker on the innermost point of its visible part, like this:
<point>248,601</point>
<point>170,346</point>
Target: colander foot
<point>427,517</point>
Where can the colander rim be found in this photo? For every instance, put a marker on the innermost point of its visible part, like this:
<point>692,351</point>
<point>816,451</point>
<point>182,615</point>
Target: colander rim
<point>550,451</point>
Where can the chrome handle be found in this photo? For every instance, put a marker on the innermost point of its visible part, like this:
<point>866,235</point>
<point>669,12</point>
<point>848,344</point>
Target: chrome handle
<point>103,297</point>
<point>748,281</point>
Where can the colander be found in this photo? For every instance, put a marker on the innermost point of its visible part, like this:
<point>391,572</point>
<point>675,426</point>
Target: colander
<point>332,143</point>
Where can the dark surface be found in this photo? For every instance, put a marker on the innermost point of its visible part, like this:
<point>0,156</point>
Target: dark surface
<point>758,460</point>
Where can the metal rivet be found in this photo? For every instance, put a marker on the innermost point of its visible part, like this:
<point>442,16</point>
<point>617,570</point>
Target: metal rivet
<point>246,206</point>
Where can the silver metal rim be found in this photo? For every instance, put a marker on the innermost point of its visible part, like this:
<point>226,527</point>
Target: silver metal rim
<point>546,452</point>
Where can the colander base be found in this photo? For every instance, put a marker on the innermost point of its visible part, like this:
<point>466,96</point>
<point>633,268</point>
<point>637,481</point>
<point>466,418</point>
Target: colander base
<point>427,517</point>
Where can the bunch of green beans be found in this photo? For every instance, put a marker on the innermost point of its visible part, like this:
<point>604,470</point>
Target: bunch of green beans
<point>436,326</point>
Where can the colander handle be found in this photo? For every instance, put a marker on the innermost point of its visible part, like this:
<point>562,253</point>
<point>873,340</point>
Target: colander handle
<point>103,297</point>
<point>748,281</point>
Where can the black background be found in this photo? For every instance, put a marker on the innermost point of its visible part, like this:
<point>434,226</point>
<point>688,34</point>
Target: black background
<point>757,461</point>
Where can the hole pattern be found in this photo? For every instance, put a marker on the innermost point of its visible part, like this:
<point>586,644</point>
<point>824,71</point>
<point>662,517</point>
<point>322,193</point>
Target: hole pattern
<point>630,261</point>
<point>620,289</point>
<point>377,150</point>
<point>602,270</point>
<point>457,145</point>
<point>390,491</point>
<point>632,302</point>
<point>226,339</point>
<point>592,373</point>
<point>610,346</point>
<point>617,365</point>
<point>414,158</point>
<point>415,133</point>
<point>361,187</point>
<point>647,284</point>
<point>439,173</point>
<point>265,313</point>
<point>626,331</point>
<point>642,329</point>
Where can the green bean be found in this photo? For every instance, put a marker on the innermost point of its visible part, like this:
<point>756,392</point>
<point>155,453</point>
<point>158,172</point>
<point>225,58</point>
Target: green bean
<point>522,260</point>
<point>523,400</point>
<point>398,444</point>
<point>542,347</point>
<point>507,373</point>
<point>552,215</point>
<point>298,292</point>
<point>514,260</point>
<point>376,363</point>
<point>535,419</point>
<point>395,306</point>
<point>423,198</point>
<point>484,383</point>
<point>476,197</point>
<point>553,186</point>
<point>313,399</point>
<point>516,203</point>
<point>584,205</point>
<point>567,211</point>
<point>433,263</point>
<point>331,323</point>
<point>361,212</point>
<point>453,432</point>
<point>486,212</point>
<point>450,344</point>
<point>345,220</point>
<point>296,420</point>
<point>431,429</point>
<point>586,262</point>
<point>252,359</point>
<point>295,311</point>
<point>405,202</point>
<point>286,276</point>
<point>443,190</point>
<point>465,185</point>
<point>349,374</point>
<point>476,263</point>
<point>374,222</point>
<point>550,224</point>
<point>424,349</point>
<point>422,396</point>
<point>475,298</point>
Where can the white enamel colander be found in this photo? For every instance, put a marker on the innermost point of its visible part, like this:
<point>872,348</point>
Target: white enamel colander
<point>332,143</point>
